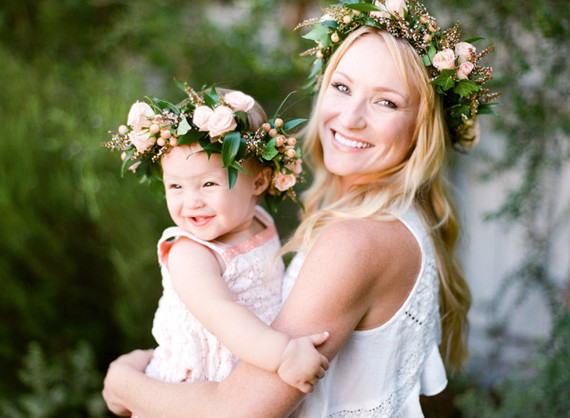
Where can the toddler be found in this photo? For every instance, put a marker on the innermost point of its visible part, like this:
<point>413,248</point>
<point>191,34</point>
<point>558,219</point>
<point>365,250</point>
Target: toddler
<point>216,155</point>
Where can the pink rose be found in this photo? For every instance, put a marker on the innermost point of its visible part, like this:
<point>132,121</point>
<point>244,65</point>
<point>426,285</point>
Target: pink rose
<point>139,120</point>
<point>389,7</point>
<point>444,59</point>
<point>464,70</point>
<point>221,121</point>
<point>296,167</point>
<point>464,51</point>
<point>201,117</point>
<point>283,182</point>
<point>239,101</point>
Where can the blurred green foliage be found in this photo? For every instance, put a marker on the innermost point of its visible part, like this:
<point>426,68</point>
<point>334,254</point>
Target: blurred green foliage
<point>79,278</point>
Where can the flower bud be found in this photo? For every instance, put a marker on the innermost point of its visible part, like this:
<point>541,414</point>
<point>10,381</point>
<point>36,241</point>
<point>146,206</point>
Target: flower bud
<point>334,37</point>
<point>279,122</point>
<point>123,129</point>
<point>154,128</point>
<point>291,141</point>
<point>279,141</point>
<point>266,127</point>
<point>319,55</point>
<point>291,152</point>
<point>346,19</point>
<point>165,133</point>
<point>272,132</point>
<point>161,142</point>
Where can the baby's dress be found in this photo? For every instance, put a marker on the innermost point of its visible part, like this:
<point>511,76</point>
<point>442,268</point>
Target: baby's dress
<point>186,350</point>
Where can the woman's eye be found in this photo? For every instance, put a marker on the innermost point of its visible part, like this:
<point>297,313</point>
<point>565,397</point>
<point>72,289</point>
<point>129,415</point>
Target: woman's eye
<point>388,103</point>
<point>341,87</point>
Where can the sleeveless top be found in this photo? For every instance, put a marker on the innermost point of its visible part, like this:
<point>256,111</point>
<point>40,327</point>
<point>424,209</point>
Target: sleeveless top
<point>381,372</point>
<point>188,351</point>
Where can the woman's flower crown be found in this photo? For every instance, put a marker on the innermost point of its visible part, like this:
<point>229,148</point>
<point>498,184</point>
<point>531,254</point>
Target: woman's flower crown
<point>452,65</point>
<point>219,123</point>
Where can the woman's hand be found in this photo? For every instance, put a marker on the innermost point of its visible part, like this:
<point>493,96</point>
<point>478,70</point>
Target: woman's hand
<point>117,378</point>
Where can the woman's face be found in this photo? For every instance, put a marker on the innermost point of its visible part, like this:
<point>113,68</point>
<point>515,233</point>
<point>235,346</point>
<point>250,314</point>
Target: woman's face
<point>366,116</point>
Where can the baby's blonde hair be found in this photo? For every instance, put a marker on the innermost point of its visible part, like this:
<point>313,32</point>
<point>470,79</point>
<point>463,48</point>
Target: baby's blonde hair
<point>417,181</point>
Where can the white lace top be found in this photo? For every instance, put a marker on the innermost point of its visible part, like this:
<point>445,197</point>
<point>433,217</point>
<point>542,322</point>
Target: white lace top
<point>382,371</point>
<point>186,350</point>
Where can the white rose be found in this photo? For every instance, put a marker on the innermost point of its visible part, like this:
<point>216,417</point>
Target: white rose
<point>139,120</point>
<point>389,7</point>
<point>201,117</point>
<point>239,101</point>
<point>464,70</point>
<point>444,59</point>
<point>464,51</point>
<point>221,121</point>
<point>283,182</point>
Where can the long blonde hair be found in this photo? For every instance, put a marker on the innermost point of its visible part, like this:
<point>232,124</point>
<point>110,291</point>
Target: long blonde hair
<point>417,181</point>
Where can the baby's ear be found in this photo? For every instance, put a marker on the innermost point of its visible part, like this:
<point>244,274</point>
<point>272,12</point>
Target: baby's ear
<point>262,180</point>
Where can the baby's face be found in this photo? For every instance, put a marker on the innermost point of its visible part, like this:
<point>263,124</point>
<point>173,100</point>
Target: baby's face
<point>199,199</point>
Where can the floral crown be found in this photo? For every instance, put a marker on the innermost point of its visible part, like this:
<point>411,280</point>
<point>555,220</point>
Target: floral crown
<point>452,65</point>
<point>219,123</point>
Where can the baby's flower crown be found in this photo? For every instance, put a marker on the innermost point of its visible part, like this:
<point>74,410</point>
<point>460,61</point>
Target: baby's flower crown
<point>220,124</point>
<point>452,65</point>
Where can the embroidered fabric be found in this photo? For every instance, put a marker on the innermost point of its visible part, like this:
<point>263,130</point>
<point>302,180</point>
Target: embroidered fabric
<point>188,351</point>
<point>381,372</point>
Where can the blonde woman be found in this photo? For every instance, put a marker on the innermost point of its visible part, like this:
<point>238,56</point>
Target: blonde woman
<point>375,263</point>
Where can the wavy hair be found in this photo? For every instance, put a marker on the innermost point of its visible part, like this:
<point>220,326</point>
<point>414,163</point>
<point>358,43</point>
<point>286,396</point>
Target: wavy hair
<point>417,181</point>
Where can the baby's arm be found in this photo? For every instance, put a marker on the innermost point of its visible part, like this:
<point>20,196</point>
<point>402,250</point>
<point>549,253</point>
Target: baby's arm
<point>197,278</point>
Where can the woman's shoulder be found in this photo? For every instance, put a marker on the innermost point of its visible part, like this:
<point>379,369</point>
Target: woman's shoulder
<point>362,235</point>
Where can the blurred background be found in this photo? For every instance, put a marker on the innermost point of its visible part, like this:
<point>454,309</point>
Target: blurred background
<point>78,274</point>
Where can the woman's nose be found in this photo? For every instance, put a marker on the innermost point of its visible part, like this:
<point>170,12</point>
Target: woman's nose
<point>353,114</point>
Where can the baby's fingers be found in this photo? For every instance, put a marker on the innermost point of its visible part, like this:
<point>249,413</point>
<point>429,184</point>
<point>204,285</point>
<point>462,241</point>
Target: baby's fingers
<point>320,338</point>
<point>305,387</point>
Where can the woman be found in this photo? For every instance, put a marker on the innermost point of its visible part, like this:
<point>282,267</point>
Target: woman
<point>376,265</point>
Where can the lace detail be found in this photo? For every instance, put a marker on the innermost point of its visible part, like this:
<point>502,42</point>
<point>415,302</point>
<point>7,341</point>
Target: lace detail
<point>186,350</point>
<point>379,372</point>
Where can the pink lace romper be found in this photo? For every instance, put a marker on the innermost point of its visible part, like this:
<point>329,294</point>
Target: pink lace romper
<point>186,350</point>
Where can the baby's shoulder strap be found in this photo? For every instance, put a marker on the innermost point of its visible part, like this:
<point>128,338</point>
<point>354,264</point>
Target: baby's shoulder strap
<point>172,234</point>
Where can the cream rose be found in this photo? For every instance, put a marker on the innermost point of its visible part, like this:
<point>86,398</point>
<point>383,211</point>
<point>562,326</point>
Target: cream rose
<point>391,7</point>
<point>464,70</point>
<point>239,101</point>
<point>221,121</point>
<point>464,51</point>
<point>139,120</point>
<point>444,59</point>
<point>201,117</point>
<point>283,182</point>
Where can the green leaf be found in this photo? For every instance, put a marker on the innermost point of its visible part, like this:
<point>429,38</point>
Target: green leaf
<point>191,136</point>
<point>465,87</point>
<point>293,123</point>
<point>164,105</point>
<point>363,7</point>
<point>444,80</point>
<point>183,127</point>
<point>321,34</point>
<point>316,68</point>
<point>232,176</point>
<point>242,119</point>
<point>427,62</point>
<point>431,52</point>
<point>474,39</point>
<point>230,147</point>
<point>270,151</point>
<point>210,101</point>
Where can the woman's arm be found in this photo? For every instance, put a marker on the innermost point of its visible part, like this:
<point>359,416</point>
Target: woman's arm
<point>197,279</point>
<point>335,290</point>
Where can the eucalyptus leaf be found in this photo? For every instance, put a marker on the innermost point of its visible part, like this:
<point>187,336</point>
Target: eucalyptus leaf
<point>316,68</point>
<point>183,127</point>
<point>474,39</point>
<point>363,7</point>
<point>232,176</point>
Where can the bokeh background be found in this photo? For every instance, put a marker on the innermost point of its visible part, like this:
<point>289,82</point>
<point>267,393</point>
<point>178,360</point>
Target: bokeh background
<point>78,275</point>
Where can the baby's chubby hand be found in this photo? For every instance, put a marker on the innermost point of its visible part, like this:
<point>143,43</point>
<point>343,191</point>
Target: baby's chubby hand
<point>301,364</point>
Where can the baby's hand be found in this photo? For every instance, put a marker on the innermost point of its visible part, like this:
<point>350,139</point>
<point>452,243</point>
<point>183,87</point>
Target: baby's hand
<point>302,365</point>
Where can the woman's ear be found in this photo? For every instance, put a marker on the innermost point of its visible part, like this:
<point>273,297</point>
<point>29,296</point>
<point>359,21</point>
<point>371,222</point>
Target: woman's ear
<point>262,180</point>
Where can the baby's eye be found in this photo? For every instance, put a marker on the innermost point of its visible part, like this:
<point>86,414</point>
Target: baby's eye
<point>210,184</point>
<point>388,103</point>
<point>173,186</point>
<point>341,87</point>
